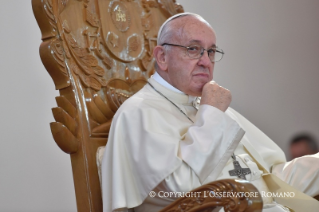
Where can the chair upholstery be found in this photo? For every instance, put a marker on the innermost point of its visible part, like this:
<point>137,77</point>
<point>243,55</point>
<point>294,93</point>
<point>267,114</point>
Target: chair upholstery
<point>99,53</point>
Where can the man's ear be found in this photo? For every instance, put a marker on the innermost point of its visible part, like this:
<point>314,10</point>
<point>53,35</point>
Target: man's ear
<point>160,57</point>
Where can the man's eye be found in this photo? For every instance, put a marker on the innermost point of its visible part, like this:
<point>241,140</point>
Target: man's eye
<point>211,51</point>
<point>194,48</point>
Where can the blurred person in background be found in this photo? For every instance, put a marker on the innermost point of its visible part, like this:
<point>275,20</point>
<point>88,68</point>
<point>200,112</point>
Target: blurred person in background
<point>303,144</point>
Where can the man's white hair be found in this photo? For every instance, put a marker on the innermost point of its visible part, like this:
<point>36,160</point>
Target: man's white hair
<point>163,32</point>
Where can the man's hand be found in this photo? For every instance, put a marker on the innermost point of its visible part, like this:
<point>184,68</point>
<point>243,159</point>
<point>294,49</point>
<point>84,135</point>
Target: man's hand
<point>216,96</point>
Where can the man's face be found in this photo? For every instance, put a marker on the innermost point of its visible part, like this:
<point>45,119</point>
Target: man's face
<point>299,149</point>
<point>187,74</point>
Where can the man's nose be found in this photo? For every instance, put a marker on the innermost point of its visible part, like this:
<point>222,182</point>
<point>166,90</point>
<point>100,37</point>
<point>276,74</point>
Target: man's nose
<point>204,60</point>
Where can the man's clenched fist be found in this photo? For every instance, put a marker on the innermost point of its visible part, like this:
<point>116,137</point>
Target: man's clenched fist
<point>216,96</point>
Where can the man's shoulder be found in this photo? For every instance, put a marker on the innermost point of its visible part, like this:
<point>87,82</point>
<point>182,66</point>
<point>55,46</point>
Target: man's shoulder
<point>144,99</point>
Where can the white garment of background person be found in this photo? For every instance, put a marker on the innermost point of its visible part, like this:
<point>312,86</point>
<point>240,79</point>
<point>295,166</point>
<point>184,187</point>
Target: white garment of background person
<point>166,152</point>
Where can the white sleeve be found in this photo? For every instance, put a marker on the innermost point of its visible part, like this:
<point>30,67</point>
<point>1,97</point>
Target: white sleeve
<point>205,150</point>
<point>209,142</point>
<point>301,173</point>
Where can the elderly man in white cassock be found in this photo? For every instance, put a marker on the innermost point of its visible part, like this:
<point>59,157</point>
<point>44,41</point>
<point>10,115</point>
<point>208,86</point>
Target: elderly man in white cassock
<point>166,138</point>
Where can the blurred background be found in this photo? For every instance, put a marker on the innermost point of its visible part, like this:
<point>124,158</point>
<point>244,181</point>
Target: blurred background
<point>271,66</point>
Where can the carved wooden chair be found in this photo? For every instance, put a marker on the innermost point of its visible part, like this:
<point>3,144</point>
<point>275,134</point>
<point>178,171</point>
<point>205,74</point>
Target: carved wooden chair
<point>99,53</point>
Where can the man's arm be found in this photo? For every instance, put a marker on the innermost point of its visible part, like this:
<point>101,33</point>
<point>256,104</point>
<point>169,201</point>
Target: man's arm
<point>209,142</point>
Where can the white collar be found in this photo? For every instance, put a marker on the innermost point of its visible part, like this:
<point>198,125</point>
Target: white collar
<point>163,82</point>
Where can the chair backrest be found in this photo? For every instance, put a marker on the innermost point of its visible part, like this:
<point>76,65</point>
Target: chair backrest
<point>98,53</point>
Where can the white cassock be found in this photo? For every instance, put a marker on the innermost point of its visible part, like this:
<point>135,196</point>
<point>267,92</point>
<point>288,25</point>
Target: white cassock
<point>152,146</point>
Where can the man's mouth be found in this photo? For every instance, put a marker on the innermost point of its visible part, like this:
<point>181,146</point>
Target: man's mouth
<point>201,75</point>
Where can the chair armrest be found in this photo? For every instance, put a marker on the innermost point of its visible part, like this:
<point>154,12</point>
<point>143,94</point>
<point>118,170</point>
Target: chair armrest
<point>246,200</point>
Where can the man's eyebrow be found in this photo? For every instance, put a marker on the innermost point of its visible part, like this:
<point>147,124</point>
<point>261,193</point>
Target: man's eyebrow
<point>198,42</point>
<point>213,46</point>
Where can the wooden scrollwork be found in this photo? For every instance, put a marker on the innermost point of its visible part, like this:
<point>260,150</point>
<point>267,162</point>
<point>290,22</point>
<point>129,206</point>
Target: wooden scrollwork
<point>90,43</point>
<point>233,195</point>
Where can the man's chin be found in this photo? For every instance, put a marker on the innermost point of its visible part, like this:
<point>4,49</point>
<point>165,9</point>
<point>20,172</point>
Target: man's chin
<point>197,91</point>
